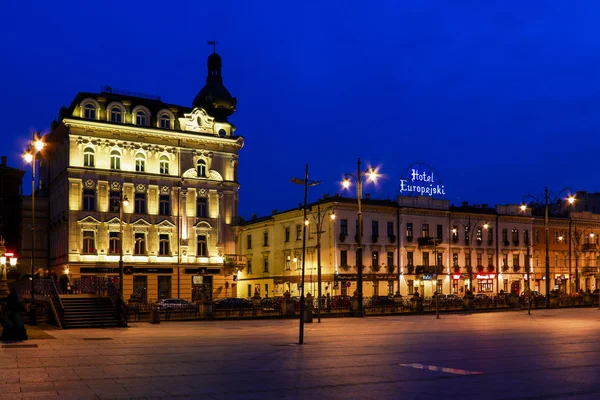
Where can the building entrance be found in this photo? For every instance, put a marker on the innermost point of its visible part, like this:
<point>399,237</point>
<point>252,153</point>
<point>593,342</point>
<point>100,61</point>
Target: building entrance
<point>140,288</point>
<point>202,287</point>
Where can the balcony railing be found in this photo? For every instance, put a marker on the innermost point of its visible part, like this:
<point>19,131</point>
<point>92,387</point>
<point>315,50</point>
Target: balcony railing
<point>428,242</point>
<point>589,247</point>
<point>429,269</point>
<point>589,270</point>
<point>235,260</point>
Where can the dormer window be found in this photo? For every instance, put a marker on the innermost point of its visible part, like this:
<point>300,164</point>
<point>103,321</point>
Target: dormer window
<point>115,159</point>
<point>201,169</point>
<point>116,115</point>
<point>165,121</point>
<point>90,111</point>
<point>140,162</point>
<point>88,157</point>
<point>141,118</point>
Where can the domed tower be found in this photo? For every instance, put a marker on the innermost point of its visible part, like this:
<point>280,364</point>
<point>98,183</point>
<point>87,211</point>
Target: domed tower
<point>214,97</point>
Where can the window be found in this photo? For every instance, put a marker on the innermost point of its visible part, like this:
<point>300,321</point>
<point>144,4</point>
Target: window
<point>374,258</point>
<point>537,236</point>
<point>165,121</point>
<point>202,250</point>
<point>288,263</point>
<point>515,260</point>
<point>164,204</point>
<point>88,157</point>
<point>455,233</point>
<point>490,235</point>
<point>390,288</point>
<point>409,258</point>
<point>114,201</point>
<point>526,237</point>
<point>505,235</point>
<point>426,258</point>
<point>89,199</point>
<point>505,261</point>
<point>390,229</point>
<point>89,243</point>
<point>390,258</point>
<point>164,287</point>
<point>114,240</point>
<point>249,289</point>
<point>343,258</point>
<point>298,232</point>
<point>140,118</point>
<point>115,114</point>
<point>556,261</point>
<point>455,259</point>
<point>266,290</point>
<point>468,260</point>
<point>515,236</point>
<point>439,286</point>
<point>425,231</point>
<point>140,244</point>
<point>440,232</point>
<point>164,165</point>
<point>90,111</point>
<point>265,265</point>
<point>202,208</point>
<point>140,162</point>
<point>287,234</point>
<point>115,159</point>
<point>467,234</point>
<point>140,203</point>
<point>249,267</point>
<point>265,238</point>
<point>490,260</point>
<point>344,227</point>
<point>411,286</point>
<point>201,168</point>
<point>163,245</point>
<point>375,228</point>
<point>479,234</point>
<point>409,230</point>
<point>479,259</point>
<point>440,258</point>
<point>249,242</point>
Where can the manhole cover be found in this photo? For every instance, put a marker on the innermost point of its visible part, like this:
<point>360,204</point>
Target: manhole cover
<point>97,338</point>
<point>19,346</point>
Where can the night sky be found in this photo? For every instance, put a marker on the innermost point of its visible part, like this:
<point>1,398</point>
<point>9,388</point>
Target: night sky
<point>501,100</point>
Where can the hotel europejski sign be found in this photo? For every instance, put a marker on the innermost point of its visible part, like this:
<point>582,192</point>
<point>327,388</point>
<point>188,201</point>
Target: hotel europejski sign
<point>422,182</point>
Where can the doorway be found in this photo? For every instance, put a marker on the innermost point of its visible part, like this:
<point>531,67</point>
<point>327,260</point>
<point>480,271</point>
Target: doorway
<point>140,288</point>
<point>515,287</point>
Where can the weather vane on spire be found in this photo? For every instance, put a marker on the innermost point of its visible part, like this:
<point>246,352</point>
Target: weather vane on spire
<point>214,45</point>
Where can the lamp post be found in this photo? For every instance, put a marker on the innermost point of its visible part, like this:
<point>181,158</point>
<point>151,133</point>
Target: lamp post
<point>319,218</point>
<point>469,238</point>
<point>306,184</point>
<point>30,156</point>
<point>124,203</point>
<point>570,200</point>
<point>371,174</point>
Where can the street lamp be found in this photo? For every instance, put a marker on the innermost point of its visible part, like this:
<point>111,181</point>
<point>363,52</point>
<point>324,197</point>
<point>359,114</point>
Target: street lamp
<point>306,184</point>
<point>319,218</point>
<point>124,203</point>
<point>30,156</point>
<point>555,197</point>
<point>370,174</point>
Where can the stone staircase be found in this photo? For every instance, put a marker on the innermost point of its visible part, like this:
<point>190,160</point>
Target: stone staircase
<point>88,312</point>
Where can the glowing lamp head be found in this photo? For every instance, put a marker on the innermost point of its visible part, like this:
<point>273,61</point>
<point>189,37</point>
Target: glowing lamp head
<point>523,207</point>
<point>332,216</point>
<point>486,226</point>
<point>125,201</point>
<point>295,259</point>
<point>454,231</point>
<point>66,270</point>
<point>591,235</point>
<point>3,260</point>
<point>39,145</point>
<point>571,199</point>
<point>560,238</point>
<point>28,157</point>
<point>372,174</point>
<point>13,261</point>
<point>306,222</point>
<point>346,183</point>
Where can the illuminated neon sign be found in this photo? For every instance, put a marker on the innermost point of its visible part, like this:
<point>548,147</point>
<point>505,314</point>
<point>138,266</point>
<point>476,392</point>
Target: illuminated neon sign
<point>490,276</point>
<point>423,181</point>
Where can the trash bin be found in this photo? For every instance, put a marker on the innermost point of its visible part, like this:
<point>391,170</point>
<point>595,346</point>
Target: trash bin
<point>308,316</point>
<point>155,316</point>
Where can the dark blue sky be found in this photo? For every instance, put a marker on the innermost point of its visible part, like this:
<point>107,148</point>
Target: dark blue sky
<point>500,99</point>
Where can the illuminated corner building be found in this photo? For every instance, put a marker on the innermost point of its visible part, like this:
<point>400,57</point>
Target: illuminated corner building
<point>177,167</point>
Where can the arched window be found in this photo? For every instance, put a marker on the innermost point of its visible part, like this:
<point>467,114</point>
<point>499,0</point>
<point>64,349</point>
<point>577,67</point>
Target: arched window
<point>140,162</point>
<point>90,111</point>
<point>116,115</point>
<point>164,165</point>
<point>140,118</point>
<point>89,243</point>
<point>88,157</point>
<point>201,169</point>
<point>165,121</point>
<point>163,245</point>
<point>115,159</point>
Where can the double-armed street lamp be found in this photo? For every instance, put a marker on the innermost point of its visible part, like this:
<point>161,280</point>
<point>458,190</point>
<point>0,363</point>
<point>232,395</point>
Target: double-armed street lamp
<point>319,218</point>
<point>123,203</point>
<point>30,156</point>
<point>555,197</point>
<point>369,175</point>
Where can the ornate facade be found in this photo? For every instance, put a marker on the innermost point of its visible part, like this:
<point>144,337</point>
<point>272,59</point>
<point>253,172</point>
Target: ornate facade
<point>175,166</point>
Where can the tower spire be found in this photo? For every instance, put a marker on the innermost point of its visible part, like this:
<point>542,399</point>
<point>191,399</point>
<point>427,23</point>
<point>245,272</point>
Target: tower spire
<point>213,43</point>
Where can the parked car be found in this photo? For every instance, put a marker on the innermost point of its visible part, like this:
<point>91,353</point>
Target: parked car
<point>175,304</point>
<point>232,303</point>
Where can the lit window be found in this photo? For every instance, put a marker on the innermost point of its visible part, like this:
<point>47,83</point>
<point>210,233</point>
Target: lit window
<point>165,121</point>
<point>88,157</point>
<point>164,165</point>
<point>90,111</point>
<point>201,169</point>
<point>266,265</point>
<point>140,162</point>
<point>202,246</point>
<point>140,203</point>
<point>89,245</point>
<point>89,197</point>
<point>113,242</point>
<point>115,114</point>
<point>140,118</point>
<point>115,160</point>
<point>140,244</point>
<point>114,201</point>
<point>163,245</point>
<point>201,207</point>
<point>164,205</point>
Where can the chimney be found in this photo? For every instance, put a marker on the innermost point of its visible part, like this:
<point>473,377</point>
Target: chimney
<point>274,211</point>
<point>253,216</point>
<point>4,161</point>
<point>367,196</point>
<point>465,204</point>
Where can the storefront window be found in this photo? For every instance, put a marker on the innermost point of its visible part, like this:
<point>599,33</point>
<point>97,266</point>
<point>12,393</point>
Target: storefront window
<point>164,287</point>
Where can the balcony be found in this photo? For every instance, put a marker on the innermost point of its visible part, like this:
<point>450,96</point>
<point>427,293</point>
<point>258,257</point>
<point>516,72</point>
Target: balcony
<point>235,260</point>
<point>429,269</point>
<point>589,247</point>
<point>589,270</point>
<point>428,242</point>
